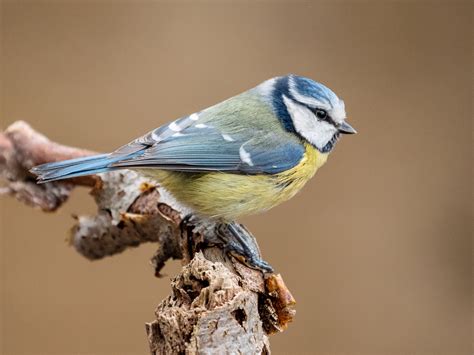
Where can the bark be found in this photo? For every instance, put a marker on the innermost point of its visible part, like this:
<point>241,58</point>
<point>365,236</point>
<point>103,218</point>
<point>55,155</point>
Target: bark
<point>217,305</point>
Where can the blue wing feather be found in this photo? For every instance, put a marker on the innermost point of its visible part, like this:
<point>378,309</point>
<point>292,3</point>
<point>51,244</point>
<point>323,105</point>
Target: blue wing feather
<point>206,149</point>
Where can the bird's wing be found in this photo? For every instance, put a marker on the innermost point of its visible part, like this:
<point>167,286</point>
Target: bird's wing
<point>155,136</point>
<point>197,147</point>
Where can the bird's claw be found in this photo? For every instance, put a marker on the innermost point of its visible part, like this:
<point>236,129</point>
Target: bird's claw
<point>232,237</point>
<point>239,243</point>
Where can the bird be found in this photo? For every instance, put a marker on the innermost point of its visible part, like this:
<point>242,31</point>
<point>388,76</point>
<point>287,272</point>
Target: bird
<point>239,157</point>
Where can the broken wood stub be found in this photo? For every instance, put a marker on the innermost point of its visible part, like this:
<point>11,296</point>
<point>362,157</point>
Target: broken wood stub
<point>224,306</point>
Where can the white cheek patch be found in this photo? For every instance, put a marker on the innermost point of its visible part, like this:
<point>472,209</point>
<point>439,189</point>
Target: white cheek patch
<point>318,133</point>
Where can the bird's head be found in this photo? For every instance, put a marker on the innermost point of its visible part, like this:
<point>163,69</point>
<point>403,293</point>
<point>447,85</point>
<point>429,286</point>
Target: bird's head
<point>307,108</point>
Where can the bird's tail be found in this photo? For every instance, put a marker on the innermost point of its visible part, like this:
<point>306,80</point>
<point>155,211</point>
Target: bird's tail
<point>75,167</point>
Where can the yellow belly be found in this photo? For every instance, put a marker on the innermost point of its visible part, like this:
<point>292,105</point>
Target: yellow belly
<point>229,196</point>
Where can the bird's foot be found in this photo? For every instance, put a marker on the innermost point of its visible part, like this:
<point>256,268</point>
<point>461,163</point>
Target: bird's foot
<point>232,237</point>
<point>241,244</point>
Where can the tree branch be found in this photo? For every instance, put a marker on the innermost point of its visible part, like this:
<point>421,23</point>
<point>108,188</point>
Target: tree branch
<point>217,304</point>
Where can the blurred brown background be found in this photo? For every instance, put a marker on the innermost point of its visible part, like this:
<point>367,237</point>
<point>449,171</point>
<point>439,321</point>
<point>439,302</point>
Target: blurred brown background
<point>376,249</point>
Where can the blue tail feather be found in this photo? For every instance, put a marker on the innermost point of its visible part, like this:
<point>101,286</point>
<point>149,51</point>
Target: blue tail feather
<point>76,167</point>
<point>65,163</point>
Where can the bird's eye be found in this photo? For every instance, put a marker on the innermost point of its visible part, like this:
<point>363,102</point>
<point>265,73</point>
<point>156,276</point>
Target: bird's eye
<point>321,114</point>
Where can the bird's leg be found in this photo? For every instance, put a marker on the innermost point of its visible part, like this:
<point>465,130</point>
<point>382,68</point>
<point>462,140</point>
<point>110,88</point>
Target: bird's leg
<point>233,237</point>
<point>187,226</point>
<point>241,244</point>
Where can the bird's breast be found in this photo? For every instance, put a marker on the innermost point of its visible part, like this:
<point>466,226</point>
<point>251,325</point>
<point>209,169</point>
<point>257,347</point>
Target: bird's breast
<point>293,180</point>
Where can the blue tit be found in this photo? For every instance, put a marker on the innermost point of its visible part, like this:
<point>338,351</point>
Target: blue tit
<point>242,156</point>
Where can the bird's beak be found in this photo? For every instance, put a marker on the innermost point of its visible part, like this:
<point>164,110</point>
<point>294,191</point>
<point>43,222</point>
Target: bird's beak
<point>346,128</point>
